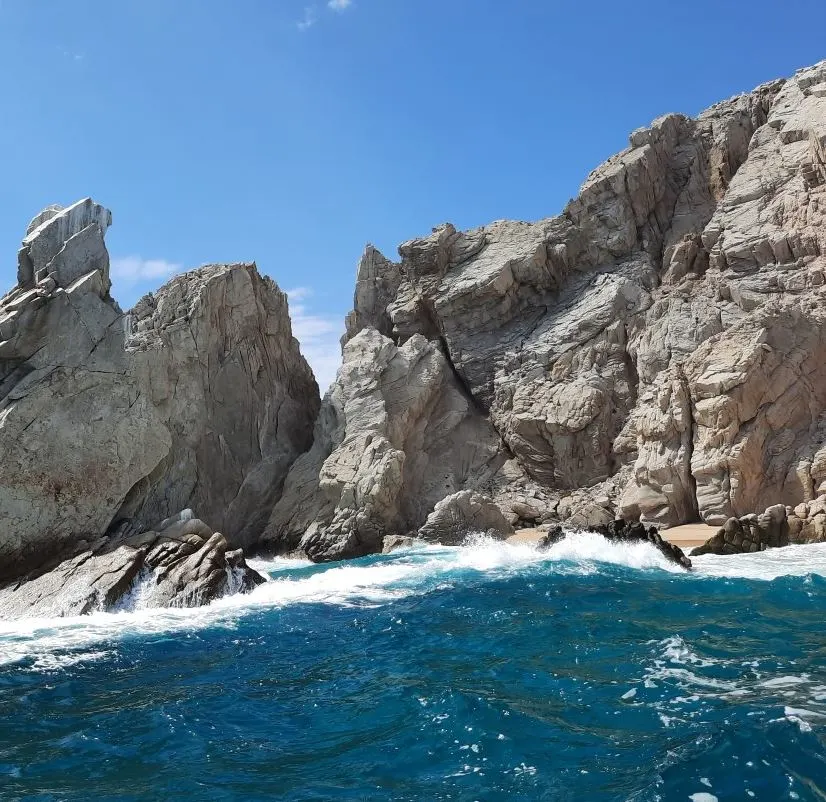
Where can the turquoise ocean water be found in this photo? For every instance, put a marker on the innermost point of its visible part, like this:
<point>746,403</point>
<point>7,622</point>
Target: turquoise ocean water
<point>486,672</point>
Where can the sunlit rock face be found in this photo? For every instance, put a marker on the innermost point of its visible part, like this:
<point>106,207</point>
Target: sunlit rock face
<point>654,351</point>
<point>111,422</point>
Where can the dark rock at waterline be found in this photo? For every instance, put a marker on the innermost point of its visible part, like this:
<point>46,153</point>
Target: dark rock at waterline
<point>620,531</point>
<point>751,533</point>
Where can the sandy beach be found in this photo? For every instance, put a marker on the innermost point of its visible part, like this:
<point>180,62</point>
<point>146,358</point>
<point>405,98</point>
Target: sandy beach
<point>689,535</point>
<point>686,536</point>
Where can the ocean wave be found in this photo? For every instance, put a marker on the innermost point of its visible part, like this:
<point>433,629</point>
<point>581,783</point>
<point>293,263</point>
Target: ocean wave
<point>385,579</point>
<point>765,565</point>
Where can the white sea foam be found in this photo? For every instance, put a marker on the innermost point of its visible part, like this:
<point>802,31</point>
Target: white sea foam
<point>590,548</point>
<point>408,572</point>
<point>765,565</point>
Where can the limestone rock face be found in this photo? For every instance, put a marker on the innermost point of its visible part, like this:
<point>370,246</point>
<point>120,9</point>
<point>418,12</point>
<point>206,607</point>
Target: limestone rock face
<point>111,421</point>
<point>215,352</point>
<point>653,352</point>
<point>76,429</point>
<point>397,433</point>
<point>462,514</point>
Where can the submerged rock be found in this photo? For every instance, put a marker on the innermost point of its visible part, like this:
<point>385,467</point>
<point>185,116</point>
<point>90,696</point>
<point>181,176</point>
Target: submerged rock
<point>111,421</point>
<point>620,531</point>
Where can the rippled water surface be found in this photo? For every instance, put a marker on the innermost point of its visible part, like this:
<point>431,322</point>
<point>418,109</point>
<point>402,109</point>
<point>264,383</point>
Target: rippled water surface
<point>593,672</point>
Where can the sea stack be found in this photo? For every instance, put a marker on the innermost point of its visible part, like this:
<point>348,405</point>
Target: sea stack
<point>119,430</point>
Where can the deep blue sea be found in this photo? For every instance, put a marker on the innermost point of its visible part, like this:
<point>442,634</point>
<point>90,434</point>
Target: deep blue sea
<point>485,672</point>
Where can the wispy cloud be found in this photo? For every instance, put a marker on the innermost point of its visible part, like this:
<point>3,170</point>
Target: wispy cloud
<point>133,269</point>
<point>309,19</point>
<point>73,55</point>
<point>311,14</point>
<point>319,336</point>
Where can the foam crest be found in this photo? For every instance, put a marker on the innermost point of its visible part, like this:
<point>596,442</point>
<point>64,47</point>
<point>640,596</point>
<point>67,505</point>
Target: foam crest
<point>765,565</point>
<point>380,581</point>
<point>588,547</point>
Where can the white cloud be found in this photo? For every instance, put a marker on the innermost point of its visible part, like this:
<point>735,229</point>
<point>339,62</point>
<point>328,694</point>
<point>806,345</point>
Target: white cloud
<point>340,5</point>
<point>309,19</point>
<point>133,269</point>
<point>319,337</point>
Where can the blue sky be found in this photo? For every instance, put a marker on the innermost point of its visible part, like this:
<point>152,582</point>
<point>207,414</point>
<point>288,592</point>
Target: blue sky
<point>292,133</point>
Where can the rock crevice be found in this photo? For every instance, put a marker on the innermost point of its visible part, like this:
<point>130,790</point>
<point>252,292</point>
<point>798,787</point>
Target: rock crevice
<point>654,351</point>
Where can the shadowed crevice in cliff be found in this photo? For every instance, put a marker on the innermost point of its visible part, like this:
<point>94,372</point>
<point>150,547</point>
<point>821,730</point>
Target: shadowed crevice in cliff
<point>694,510</point>
<point>463,386</point>
<point>566,333</point>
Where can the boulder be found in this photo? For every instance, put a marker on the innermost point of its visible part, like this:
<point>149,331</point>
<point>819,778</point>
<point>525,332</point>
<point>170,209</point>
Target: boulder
<point>777,526</point>
<point>393,543</point>
<point>462,514</point>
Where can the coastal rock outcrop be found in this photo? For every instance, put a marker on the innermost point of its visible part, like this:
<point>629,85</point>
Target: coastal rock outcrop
<point>110,422</point>
<point>182,564</point>
<point>397,433</point>
<point>620,531</point>
<point>777,526</point>
<point>655,352</point>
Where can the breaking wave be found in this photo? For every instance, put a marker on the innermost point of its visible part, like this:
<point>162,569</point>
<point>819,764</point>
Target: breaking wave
<point>380,580</point>
<point>491,670</point>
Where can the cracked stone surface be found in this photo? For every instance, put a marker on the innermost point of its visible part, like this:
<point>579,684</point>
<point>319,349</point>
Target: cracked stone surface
<point>655,351</point>
<point>198,398</point>
<point>180,562</point>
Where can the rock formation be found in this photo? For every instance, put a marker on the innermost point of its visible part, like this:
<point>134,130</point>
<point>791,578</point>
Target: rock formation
<point>653,352</point>
<point>184,564</point>
<point>777,526</point>
<point>620,531</point>
<point>397,434</point>
<point>111,422</point>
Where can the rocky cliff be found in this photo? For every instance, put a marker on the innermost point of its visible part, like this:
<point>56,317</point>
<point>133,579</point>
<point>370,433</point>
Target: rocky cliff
<point>114,426</point>
<point>655,351</point>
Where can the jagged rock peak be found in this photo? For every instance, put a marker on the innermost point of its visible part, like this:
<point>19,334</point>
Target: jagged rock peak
<point>110,422</point>
<point>655,350</point>
<point>63,243</point>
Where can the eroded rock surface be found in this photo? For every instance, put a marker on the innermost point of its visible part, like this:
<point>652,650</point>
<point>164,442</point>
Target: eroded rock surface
<point>462,514</point>
<point>777,526</point>
<point>111,422</point>
<point>397,433</point>
<point>182,564</point>
<point>653,352</point>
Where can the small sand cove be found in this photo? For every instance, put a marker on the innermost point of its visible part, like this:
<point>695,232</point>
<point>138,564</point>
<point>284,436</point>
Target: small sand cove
<point>686,536</point>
